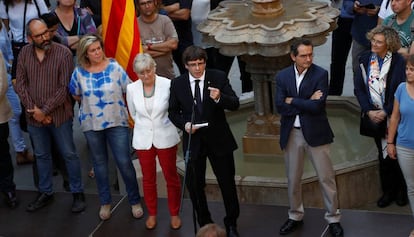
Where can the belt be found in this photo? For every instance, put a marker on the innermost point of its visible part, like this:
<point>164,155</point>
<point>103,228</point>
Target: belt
<point>296,127</point>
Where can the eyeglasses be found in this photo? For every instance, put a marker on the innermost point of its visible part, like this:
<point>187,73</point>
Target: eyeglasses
<point>146,3</point>
<point>195,65</point>
<point>377,42</point>
<point>41,35</point>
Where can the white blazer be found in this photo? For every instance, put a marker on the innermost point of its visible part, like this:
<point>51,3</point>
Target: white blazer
<point>155,129</point>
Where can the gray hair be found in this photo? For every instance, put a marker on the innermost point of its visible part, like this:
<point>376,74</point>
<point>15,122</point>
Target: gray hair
<point>143,61</point>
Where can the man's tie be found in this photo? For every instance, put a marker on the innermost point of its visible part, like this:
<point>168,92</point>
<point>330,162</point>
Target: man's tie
<point>197,96</point>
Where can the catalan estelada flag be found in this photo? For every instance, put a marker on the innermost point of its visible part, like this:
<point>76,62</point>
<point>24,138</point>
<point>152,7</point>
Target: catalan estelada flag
<point>120,33</point>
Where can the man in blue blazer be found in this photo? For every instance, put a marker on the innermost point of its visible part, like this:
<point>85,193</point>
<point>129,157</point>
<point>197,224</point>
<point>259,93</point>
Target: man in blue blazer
<point>301,91</point>
<point>215,140</point>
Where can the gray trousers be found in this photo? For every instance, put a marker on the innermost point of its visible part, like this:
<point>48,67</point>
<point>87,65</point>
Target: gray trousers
<point>406,161</point>
<point>295,154</point>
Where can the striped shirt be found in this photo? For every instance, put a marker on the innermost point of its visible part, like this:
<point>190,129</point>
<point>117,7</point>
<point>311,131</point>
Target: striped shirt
<point>45,84</point>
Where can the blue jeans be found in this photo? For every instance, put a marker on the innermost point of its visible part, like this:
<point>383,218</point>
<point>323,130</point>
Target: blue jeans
<point>118,140</point>
<point>14,123</point>
<point>63,137</point>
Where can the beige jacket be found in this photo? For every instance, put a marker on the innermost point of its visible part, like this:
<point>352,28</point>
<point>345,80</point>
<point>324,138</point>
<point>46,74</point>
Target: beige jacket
<point>5,109</point>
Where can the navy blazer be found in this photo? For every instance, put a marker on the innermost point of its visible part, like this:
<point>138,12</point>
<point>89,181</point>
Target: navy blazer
<point>217,137</point>
<point>395,76</point>
<point>312,113</point>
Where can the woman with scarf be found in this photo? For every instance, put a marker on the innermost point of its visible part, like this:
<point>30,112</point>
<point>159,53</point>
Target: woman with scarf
<point>381,71</point>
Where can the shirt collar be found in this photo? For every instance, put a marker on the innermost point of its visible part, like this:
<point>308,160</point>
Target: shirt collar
<point>297,73</point>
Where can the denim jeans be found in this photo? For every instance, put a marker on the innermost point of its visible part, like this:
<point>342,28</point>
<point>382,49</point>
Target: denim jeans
<point>118,140</point>
<point>406,161</point>
<point>14,123</point>
<point>6,166</point>
<point>63,137</point>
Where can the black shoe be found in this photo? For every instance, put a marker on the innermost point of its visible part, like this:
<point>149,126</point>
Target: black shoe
<point>65,185</point>
<point>41,200</point>
<point>232,231</point>
<point>290,226</point>
<point>385,200</point>
<point>11,199</point>
<point>78,204</point>
<point>402,199</point>
<point>336,229</point>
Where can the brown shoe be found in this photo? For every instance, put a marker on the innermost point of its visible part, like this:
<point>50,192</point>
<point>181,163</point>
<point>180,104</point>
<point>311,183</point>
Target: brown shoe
<point>175,222</point>
<point>151,222</point>
<point>24,157</point>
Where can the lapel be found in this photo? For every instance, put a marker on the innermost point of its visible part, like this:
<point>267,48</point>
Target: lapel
<point>188,92</point>
<point>292,82</point>
<point>206,92</point>
<point>157,97</point>
<point>307,80</point>
<point>140,94</point>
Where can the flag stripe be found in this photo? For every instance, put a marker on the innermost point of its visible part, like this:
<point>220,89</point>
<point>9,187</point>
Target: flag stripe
<point>120,32</point>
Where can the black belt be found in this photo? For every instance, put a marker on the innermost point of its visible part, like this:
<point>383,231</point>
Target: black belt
<point>296,127</point>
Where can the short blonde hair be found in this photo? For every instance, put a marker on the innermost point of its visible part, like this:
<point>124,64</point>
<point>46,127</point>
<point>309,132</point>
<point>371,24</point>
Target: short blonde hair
<point>392,40</point>
<point>211,230</point>
<point>83,45</point>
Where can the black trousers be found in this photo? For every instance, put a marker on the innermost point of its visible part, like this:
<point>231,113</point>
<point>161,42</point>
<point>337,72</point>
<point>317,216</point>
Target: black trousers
<point>341,45</point>
<point>224,170</point>
<point>6,165</point>
<point>391,177</point>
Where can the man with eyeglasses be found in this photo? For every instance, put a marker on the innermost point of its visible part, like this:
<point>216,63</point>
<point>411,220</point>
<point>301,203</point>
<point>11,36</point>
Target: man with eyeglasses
<point>301,91</point>
<point>43,72</point>
<point>197,104</point>
<point>158,37</point>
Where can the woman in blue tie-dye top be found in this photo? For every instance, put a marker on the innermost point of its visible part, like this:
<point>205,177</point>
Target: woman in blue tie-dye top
<point>99,85</point>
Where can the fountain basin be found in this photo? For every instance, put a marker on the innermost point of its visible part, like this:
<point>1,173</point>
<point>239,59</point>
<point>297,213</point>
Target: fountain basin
<point>261,179</point>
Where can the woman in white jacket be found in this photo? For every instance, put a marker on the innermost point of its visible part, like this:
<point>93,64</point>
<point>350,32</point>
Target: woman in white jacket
<point>154,135</point>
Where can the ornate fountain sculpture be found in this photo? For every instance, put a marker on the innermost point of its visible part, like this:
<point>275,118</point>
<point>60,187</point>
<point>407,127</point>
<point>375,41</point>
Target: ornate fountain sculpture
<point>261,31</point>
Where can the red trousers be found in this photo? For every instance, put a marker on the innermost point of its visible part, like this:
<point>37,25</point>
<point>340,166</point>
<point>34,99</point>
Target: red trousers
<point>167,159</point>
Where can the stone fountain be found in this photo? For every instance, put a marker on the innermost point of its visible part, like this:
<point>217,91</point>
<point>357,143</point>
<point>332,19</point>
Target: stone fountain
<point>261,32</point>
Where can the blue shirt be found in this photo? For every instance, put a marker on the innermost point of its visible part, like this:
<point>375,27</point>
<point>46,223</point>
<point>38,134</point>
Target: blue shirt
<point>405,135</point>
<point>102,97</point>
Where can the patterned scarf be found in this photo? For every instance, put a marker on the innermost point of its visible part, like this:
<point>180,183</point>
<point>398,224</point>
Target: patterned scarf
<point>377,78</point>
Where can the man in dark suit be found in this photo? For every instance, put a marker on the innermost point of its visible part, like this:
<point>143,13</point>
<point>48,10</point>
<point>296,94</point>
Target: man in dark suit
<point>301,91</point>
<point>214,141</point>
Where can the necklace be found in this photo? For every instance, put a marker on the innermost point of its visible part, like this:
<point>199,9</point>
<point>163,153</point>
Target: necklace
<point>150,94</point>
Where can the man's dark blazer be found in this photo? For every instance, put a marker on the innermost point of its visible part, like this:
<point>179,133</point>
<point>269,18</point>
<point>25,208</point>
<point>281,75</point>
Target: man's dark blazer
<point>312,113</point>
<point>217,137</point>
